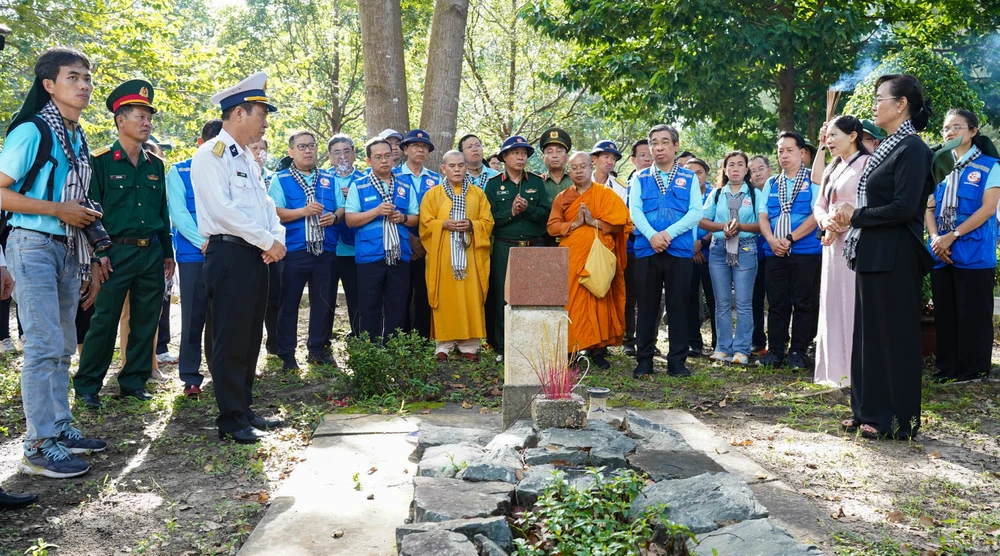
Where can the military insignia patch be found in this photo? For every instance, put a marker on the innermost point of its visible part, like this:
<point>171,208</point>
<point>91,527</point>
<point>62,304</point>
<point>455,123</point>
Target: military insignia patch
<point>144,92</point>
<point>974,177</point>
<point>233,150</point>
<point>502,188</point>
<point>219,149</point>
<point>531,191</point>
<point>420,135</point>
<point>153,177</point>
<point>118,155</point>
<point>101,151</point>
<point>553,134</point>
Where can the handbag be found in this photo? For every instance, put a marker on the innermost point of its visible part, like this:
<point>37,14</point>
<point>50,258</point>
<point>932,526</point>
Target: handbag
<point>599,271</point>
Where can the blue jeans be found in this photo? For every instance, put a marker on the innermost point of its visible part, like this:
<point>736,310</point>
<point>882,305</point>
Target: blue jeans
<point>725,279</point>
<point>47,290</point>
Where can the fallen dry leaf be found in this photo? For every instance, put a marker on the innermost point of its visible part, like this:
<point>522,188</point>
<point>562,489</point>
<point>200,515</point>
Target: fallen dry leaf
<point>457,386</point>
<point>338,534</point>
<point>895,516</point>
<point>722,403</point>
<point>935,454</point>
<point>717,451</point>
<point>262,497</point>
<point>406,471</point>
<point>519,474</point>
<point>484,410</point>
<point>840,513</point>
<point>426,411</point>
<point>466,405</point>
<point>926,521</point>
<point>812,466</point>
<point>746,442</point>
<point>372,470</point>
<point>371,496</point>
<point>761,476</point>
<point>768,395</point>
<point>496,391</point>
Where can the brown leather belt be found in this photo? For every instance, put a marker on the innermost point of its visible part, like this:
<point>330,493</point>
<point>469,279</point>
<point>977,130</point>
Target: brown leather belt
<point>138,241</point>
<point>522,242</point>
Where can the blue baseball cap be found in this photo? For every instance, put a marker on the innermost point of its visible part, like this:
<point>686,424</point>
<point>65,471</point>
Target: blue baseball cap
<point>417,136</point>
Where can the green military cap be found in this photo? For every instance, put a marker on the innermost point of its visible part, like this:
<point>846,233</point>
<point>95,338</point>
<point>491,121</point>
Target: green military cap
<point>942,162</point>
<point>872,129</point>
<point>557,136</point>
<point>135,91</point>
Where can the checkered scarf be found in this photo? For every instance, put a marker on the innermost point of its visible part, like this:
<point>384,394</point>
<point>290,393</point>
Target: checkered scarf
<point>77,184</point>
<point>783,226</point>
<point>459,240</point>
<point>733,243</point>
<point>314,232</point>
<point>949,204</point>
<point>390,233</point>
<point>659,181</point>
<point>479,182</point>
<point>880,154</point>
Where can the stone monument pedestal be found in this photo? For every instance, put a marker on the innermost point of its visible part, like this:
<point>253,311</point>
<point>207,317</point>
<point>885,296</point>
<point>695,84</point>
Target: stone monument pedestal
<point>536,291</point>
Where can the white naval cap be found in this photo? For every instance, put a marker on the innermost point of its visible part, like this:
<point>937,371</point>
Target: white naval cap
<point>390,133</point>
<point>251,89</point>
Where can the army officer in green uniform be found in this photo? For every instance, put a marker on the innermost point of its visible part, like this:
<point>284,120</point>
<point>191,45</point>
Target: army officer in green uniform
<point>129,183</point>
<point>520,207</point>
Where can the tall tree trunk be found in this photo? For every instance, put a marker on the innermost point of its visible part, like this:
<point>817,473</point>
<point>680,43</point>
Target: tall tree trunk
<point>443,80</point>
<point>385,72</point>
<point>786,99</point>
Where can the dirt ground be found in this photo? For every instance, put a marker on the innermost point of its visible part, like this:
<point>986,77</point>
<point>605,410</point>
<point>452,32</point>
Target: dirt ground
<point>166,485</point>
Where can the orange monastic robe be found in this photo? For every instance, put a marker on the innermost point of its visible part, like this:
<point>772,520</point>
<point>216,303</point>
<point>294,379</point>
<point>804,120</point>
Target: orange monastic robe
<point>457,311</point>
<point>594,322</point>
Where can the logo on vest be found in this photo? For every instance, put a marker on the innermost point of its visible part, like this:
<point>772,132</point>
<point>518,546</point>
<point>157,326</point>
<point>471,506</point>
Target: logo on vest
<point>679,182</point>
<point>401,191</point>
<point>430,182</point>
<point>325,182</point>
<point>974,177</point>
<point>746,202</point>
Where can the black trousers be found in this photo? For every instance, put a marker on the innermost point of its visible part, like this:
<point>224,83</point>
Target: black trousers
<point>790,283</point>
<point>163,329</point>
<point>237,282</point>
<point>654,275</point>
<point>886,365</point>
<point>630,301</point>
<point>196,322</point>
<point>299,268</point>
<point>700,277</point>
<point>382,293</point>
<point>347,271</point>
<point>759,292</point>
<point>272,306</point>
<point>963,319</point>
<point>418,310</point>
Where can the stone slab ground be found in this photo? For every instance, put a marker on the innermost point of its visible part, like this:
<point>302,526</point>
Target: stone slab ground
<point>320,511</point>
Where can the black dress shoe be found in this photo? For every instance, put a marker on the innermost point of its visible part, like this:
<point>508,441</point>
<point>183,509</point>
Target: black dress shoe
<point>16,501</point>
<point>90,401</point>
<point>321,359</point>
<point>644,368</point>
<point>288,363</point>
<point>681,372</point>
<point>629,351</point>
<point>263,424</point>
<point>141,395</point>
<point>601,361</point>
<point>248,435</point>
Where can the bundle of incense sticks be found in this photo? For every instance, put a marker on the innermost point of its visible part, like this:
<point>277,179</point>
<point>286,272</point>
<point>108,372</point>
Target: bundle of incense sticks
<point>832,99</point>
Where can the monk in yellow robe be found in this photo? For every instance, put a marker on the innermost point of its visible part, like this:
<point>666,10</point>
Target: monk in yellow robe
<point>595,322</point>
<point>455,227</point>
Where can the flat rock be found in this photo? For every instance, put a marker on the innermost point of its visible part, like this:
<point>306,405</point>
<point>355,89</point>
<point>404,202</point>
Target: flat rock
<point>519,436</point>
<point>565,457</point>
<point>536,478</point>
<point>500,464</point>
<point>756,537</point>
<point>656,436</point>
<point>487,547</point>
<point>434,435</point>
<point>448,459</point>
<point>569,438</point>
<point>437,499</point>
<point>494,529</point>
<point>662,465</point>
<point>703,503</point>
<point>437,543</point>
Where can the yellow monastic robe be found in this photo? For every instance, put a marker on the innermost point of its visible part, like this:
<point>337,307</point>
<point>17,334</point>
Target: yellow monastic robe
<point>594,322</point>
<point>457,311</point>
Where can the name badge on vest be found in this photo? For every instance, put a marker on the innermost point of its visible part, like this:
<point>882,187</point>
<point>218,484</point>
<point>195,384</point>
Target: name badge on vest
<point>241,174</point>
<point>370,199</point>
<point>117,176</point>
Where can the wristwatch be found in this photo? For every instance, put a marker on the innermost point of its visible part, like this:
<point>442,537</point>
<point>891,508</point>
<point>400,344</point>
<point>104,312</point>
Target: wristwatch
<point>789,238</point>
<point>705,242</point>
<point>956,233</point>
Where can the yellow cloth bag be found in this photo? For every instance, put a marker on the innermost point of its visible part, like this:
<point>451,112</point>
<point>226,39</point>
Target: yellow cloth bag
<point>599,271</point>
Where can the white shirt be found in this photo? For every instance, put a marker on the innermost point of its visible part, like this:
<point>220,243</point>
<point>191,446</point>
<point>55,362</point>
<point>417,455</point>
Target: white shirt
<point>615,185</point>
<point>230,195</point>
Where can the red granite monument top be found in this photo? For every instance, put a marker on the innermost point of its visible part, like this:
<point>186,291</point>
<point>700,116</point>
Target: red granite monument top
<point>537,276</point>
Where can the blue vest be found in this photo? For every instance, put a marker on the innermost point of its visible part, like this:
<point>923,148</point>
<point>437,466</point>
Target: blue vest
<point>663,211</point>
<point>427,181</point>
<point>975,249</point>
<point>630,242</point>
<point>345,233</point>
<point>368,241</point>
<point>801,210</point>
<point>184,250</point>
<point>295,198</point>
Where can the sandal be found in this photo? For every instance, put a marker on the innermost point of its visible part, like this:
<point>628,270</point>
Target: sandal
<point>850,425</point>
<point>868,431</point>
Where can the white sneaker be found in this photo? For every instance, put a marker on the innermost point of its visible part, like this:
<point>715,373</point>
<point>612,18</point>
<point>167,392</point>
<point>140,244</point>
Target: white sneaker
<point>157,376</point>
<point>166,358</point>
<point>719,356</point>
<point>7,345</point>
<point>741,359</point>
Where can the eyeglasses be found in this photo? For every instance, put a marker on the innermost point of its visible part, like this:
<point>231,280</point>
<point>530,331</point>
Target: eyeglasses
<point>305,147</point>
<point>880,99</point>
<point>472,147</point>
<point>955,128</point>
<point>344,152</point>
<point>381,157</point>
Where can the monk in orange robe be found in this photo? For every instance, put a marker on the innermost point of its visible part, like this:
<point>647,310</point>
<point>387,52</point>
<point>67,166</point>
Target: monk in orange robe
<point>455,226</point>
<point>576,212</point>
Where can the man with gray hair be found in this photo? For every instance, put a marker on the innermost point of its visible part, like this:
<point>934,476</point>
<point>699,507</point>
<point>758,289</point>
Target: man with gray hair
<point>341,152</point>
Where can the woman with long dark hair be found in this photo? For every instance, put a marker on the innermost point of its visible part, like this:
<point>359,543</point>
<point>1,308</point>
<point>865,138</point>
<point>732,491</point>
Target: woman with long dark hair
<point>885,247</point>
<point>963,236</point>
<point>731,216</point>
<point>843,137</point>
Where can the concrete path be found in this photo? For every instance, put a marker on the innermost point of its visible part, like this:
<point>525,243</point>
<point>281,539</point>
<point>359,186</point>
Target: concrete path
<point>319,500</point>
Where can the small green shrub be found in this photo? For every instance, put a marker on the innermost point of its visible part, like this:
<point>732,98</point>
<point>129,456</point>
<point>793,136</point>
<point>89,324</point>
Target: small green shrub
<point>403,364</point>
<point>567,520</point>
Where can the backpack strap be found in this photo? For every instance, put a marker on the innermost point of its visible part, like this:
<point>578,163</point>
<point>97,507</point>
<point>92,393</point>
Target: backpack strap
<point>753,197</point>
<point>42,157</point>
